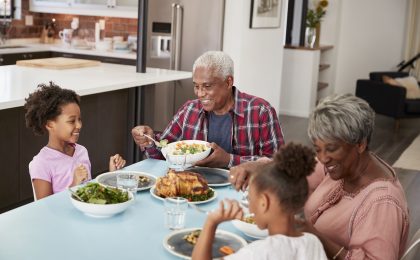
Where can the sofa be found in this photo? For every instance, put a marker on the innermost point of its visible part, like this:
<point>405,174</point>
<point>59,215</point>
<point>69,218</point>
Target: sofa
<point>386,99</point>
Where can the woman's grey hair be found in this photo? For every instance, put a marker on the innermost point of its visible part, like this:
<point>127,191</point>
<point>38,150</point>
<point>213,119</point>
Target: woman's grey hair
<point>218,61</point>
<point>342,117</point>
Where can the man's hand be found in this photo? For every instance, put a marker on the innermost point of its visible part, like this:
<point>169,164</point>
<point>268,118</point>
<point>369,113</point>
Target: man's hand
<point>138,133</point>
<point>239,175</point>
<point>219,158</point>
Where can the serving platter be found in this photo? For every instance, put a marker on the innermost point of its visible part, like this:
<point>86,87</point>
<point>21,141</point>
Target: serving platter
<point>216,177</point>
<point>175,243</point>
<point>110,179</point>
<point>153,189</point>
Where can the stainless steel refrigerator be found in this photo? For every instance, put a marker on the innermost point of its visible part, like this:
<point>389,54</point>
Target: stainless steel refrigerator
<point>179,31</point>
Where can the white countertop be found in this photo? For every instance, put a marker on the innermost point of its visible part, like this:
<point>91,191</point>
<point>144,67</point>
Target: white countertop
<point>16,82</point>
<point>31,45</point>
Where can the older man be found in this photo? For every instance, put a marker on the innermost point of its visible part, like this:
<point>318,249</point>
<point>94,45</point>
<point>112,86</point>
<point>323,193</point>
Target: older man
<point>234,123</point>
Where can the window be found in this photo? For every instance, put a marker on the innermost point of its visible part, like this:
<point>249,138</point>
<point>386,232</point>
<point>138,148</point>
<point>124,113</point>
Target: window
<point>6,9</point>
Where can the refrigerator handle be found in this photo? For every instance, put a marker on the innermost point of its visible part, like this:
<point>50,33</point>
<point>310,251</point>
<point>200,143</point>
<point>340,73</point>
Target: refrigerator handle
<point>176,36</point>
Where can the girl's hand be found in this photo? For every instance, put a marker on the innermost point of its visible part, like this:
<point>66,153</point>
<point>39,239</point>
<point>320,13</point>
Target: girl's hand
<point>116,162</point>
<point>80,175</point>
<point>227,211</point>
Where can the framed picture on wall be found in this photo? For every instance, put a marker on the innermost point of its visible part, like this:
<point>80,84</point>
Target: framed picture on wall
<point>265,14</point>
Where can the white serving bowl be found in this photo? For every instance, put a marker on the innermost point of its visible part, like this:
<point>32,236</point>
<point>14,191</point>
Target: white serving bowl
<point>190,159</point>
<point>249,229</point>
<point>101,210</point>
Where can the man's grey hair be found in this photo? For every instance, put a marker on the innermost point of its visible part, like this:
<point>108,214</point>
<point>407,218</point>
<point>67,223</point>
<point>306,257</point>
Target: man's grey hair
<point>342,117</point>
<point>217,61</point>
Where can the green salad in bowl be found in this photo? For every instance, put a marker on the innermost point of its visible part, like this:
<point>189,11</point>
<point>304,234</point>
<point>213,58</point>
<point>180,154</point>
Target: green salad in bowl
<point>96,200</point>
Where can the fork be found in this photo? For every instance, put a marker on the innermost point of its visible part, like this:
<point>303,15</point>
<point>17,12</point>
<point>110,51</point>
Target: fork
<point>199,209</point>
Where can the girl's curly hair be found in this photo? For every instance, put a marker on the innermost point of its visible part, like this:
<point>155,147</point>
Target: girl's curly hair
<point>286,175</point>
<point>45,104</point>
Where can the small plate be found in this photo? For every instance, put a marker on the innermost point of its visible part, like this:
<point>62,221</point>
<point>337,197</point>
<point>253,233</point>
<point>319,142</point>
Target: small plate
<point>110,179</point>
<point>176,245</point>
<point>216,177</point>
<point>152,192</point>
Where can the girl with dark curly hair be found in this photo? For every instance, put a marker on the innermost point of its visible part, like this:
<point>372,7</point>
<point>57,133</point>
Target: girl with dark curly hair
<point>277,191</point>
<point>62,163</point>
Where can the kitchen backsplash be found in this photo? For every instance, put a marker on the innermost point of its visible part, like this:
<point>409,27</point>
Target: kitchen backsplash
<point>113,26</point>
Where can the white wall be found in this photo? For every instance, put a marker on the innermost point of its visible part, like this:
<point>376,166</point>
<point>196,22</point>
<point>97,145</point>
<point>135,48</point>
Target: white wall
<point>257,53</point>
<point>370,38</point>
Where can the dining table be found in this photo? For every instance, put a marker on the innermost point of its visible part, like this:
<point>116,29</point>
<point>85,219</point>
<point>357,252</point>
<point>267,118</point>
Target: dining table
<point>52,228</point>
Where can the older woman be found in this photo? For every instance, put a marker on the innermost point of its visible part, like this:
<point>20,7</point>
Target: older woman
<point>359,210</point>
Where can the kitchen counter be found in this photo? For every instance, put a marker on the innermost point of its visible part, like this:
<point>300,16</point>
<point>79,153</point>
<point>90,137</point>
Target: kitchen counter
<point>16,82</point>
<point>31,45</point>
<point>113,102</point>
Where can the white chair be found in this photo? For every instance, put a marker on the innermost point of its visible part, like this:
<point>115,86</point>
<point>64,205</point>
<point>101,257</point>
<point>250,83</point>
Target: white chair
<point>411,252</point>
<point>33,190</point>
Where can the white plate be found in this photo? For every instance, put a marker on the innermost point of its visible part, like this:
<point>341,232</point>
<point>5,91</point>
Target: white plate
<point>110,179</point>
<point>152,192</point>
<point>216,177</point>
<point>176,245</point>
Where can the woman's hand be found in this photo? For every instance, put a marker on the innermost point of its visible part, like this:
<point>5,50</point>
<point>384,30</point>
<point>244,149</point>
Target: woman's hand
<point>239,175</point>
<point>138,133</point>
<point>116,162</point>
<point>80,175</point>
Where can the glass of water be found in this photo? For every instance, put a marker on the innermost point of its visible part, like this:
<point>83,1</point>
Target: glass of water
<point>175,211</point>
<point>127,181</point>
<point>176,162</point>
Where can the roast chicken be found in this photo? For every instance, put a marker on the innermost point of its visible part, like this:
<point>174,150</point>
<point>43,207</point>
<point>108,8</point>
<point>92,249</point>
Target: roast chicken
<point>181,183</point>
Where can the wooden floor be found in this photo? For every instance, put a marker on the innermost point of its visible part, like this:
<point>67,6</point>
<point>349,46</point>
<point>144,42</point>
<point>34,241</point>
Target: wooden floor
<point>386,143</point>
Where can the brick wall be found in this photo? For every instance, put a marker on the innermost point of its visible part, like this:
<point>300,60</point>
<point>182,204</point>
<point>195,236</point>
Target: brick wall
<point>113,26</point>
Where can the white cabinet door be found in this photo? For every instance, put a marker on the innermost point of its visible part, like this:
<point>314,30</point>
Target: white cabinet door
<point>91,2</point>
<point>128,3</point>
<point>110,8</point>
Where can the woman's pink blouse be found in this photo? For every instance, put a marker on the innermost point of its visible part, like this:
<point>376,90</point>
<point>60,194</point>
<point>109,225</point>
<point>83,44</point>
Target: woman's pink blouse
<point>372,223</point>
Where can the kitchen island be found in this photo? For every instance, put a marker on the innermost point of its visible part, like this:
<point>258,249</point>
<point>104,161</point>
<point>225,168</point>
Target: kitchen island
<point>111,106</point>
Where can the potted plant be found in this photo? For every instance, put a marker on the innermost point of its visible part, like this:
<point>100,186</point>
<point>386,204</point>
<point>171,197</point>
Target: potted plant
<point>313,22</point>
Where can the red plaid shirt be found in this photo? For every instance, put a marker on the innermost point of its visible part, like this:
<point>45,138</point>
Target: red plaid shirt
<point>255,130</point>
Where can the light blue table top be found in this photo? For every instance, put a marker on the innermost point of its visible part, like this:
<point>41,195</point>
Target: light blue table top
<point>52,228</point>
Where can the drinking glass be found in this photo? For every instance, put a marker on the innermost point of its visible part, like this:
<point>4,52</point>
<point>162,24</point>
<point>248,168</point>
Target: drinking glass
<point>175,212</point>
<point>176,162</point>
<point>127,181</point>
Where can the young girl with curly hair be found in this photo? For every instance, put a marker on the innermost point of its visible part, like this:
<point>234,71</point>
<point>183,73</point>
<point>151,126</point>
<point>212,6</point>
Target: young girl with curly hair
<point>62,163</point>
<point>277,191</point>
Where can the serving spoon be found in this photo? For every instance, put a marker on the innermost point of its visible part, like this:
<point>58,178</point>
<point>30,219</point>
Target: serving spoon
<point>75,195</point>
<point>158,144</point>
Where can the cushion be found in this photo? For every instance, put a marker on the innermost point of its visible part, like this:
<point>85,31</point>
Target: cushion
<point>409,83</point>
<point>412,106</point>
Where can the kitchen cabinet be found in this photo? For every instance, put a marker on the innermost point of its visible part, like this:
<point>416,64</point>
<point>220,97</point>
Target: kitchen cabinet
<point>10,59</point>
<point>110,8</point>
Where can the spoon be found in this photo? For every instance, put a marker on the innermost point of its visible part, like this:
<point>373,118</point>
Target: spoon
<point>158,144</point>
<point>75,195</point>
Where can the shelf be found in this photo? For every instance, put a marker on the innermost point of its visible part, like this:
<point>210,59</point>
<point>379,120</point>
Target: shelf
<point>321,48</point>
<point>326,47</point>
<point>323,66</point>
<point>322,85</point>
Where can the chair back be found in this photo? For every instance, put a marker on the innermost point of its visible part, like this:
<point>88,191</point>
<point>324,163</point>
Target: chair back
<point>377,76</point>
<point>412,249</point>
<point>33,190</point>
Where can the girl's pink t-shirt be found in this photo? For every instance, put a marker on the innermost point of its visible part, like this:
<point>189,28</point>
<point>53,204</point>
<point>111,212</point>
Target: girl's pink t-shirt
<point>58,168</point>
